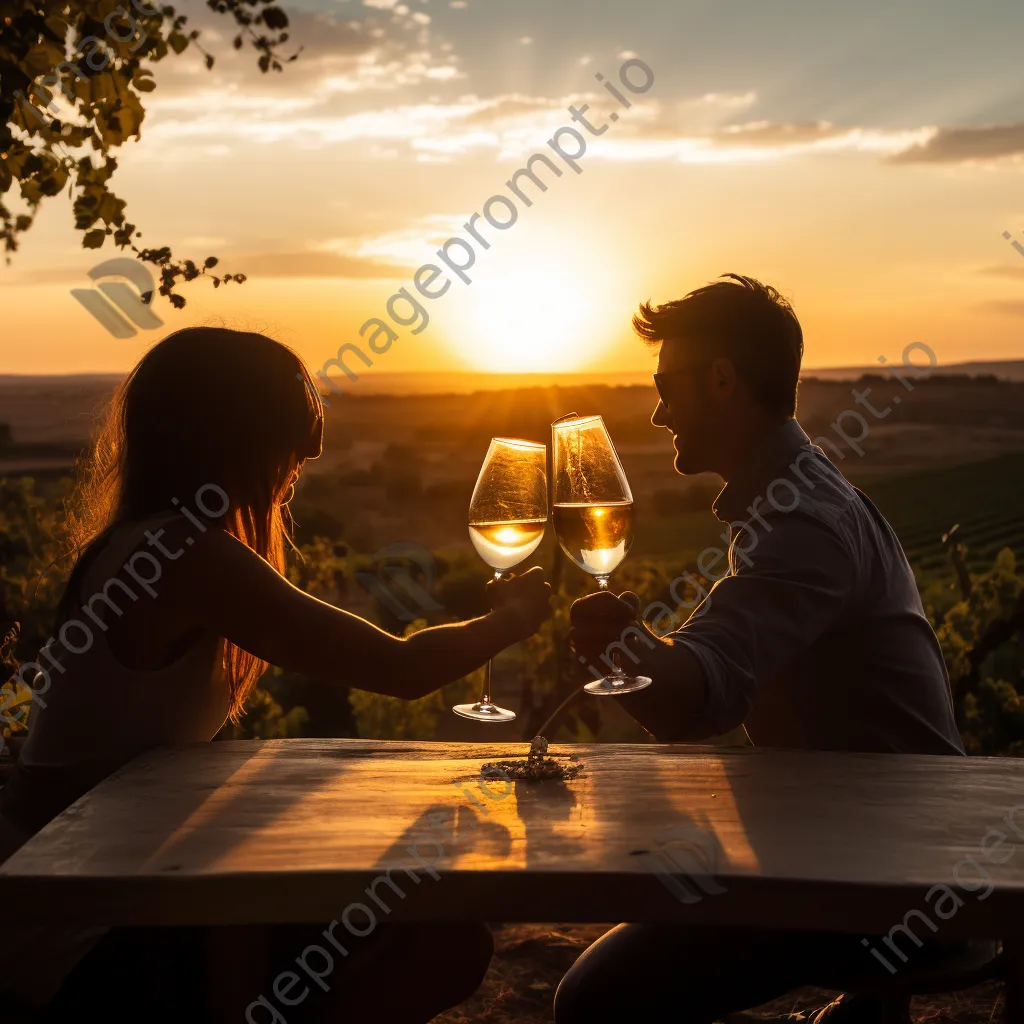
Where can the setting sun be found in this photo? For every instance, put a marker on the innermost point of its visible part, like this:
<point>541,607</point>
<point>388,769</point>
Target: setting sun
<point>527,321</point>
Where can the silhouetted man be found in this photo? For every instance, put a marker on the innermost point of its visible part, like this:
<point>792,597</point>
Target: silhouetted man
<point>813,636</point>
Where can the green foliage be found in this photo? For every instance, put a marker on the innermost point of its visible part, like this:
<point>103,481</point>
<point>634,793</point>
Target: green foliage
<point>73,76</point>
<point>15,696</point>
<point>993,719</point>
<point>31,582</point>
<point>320,569</point>
<point>980,642</point>
<point>265,719</point>
<point>389,718</point>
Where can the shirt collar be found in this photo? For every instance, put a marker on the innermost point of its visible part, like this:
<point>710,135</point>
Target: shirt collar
<point>767,460</point>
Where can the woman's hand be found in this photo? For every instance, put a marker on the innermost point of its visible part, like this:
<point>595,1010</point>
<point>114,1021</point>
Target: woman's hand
<point>527,598</point>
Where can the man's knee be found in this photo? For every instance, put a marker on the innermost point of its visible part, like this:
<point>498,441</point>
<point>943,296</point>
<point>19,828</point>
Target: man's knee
<point>567,1008</point>
<point>577,1000</point>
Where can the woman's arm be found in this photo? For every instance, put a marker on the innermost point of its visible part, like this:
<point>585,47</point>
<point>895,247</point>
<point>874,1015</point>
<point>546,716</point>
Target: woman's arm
<point>231,590</point>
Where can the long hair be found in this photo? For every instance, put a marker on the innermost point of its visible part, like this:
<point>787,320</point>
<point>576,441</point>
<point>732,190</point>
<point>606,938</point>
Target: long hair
<point>205,406</point>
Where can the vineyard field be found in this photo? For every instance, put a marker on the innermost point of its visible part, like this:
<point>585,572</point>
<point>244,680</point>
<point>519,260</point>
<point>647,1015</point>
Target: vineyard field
<point>985,498</point>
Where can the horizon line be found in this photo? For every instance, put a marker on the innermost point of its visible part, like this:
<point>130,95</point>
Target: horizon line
<point>832,369</point>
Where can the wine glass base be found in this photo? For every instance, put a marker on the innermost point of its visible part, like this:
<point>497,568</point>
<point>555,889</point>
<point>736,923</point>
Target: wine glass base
<point>613,686</point>
<point>484,712</point>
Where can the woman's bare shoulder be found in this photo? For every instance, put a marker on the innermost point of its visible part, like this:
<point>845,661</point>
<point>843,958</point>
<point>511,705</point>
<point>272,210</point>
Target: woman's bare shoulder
<point>181,555</point>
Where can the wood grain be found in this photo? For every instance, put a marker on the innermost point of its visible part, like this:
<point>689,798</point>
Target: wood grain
<point>297,830</point>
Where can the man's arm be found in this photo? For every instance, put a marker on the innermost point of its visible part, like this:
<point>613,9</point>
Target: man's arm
<point>707,674</point>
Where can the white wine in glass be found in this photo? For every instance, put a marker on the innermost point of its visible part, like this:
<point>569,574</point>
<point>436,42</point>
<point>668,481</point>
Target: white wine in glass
<point>592,508</point>
<point>507,517</point>
<point>502,545</point>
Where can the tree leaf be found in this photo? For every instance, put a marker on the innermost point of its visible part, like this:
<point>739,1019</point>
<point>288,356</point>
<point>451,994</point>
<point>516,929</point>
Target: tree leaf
<point>93,239</point>
<point>274,18</point>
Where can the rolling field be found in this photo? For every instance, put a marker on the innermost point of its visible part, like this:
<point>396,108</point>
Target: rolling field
<point>985,498</point>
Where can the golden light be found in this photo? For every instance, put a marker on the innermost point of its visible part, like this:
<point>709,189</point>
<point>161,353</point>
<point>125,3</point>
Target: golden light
<point>529,321</point>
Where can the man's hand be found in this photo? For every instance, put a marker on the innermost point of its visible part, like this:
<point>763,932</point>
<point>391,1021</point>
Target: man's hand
<point>678,693</point>
<point>601,619</point>
<point>527,596</point>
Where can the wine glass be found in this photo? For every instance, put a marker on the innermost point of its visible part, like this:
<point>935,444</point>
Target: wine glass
<point>593,514</point>
<point>507,516</point>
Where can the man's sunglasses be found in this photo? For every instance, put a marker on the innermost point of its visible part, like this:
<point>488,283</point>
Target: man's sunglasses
<point>662,380</point>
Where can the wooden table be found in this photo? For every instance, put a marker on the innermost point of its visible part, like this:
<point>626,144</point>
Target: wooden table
<point>301,830</point>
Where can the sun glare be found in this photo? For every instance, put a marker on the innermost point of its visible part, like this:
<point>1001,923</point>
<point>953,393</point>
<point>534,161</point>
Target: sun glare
<point>528,321</point>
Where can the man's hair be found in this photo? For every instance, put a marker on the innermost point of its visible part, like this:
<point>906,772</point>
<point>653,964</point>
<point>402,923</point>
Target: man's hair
<point>743,320</point>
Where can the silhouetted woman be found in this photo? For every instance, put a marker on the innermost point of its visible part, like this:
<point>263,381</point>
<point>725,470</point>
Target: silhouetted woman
<point>176,604</point>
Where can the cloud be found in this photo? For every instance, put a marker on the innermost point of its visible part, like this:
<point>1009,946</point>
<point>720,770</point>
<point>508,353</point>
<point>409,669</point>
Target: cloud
<point>17,276</point>
<point>347,265</point>
<point>664,135</point>
<point>429,128</point>
<point>409,246</point>
<point>315,264</point>
<point>1004,307</point>
<point>1013,271</point>
<point>333,109</point>
<point>777,133</point>
<point>699,130</point>
<point>965,145</point>
<point>380,48</point>
<point>508,107</point>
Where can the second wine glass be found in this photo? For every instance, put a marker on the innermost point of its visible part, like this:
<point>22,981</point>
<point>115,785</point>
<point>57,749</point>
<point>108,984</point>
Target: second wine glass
<point>593,514</point>
<point>507,517</point>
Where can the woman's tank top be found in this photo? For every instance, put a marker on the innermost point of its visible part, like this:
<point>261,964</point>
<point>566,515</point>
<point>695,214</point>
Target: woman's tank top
<point>96,703</point>
<point>96,715</point>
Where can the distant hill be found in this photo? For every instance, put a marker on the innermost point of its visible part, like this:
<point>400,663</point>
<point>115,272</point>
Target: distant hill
<point>1004,369</point>
<point>372,383</point>
<point>466,383</point>
<point>60,410</point>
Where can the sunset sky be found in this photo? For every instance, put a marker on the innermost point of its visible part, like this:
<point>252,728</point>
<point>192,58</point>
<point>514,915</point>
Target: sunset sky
<point>865,159</point>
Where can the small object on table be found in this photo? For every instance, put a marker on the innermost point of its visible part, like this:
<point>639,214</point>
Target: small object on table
<point>536,767</point>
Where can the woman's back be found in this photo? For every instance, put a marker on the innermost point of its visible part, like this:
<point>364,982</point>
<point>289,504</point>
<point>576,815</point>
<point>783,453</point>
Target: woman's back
<point>122,678</point>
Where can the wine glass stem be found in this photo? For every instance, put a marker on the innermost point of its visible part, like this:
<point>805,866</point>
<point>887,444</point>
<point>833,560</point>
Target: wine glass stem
<point>485,697</point>
<point>616,672</point>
